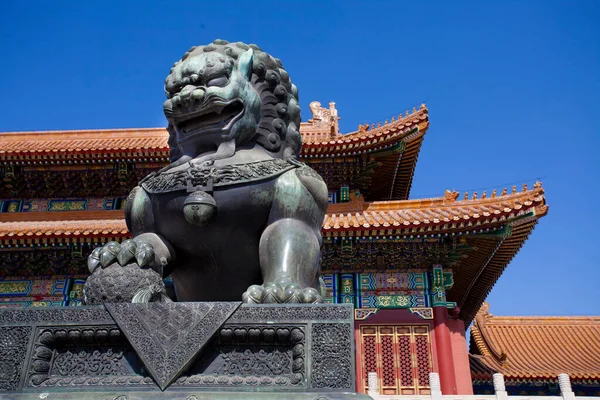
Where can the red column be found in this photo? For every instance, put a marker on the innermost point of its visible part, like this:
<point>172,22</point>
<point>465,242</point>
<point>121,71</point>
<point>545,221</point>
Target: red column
<point>443,346</point>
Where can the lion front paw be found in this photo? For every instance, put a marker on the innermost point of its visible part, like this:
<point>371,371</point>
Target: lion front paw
<point>120,273</point>
<point>281,291</point>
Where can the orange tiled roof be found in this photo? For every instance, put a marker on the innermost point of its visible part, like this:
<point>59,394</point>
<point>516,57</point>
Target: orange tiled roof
<point>19,228</point>
<point>80,228</point>
<point>77,144</point>
<point>535,348</point>
<point>436,214</point>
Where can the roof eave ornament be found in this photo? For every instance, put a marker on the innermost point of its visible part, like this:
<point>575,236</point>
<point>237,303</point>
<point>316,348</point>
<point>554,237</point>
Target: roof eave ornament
<point>324,118</point>
<point>333,120</point>
<point>450,196</point>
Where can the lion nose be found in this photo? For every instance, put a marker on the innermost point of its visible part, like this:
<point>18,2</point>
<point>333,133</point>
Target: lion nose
<point>198,95</point>
<point>186,91</point>
<point>191,95</point>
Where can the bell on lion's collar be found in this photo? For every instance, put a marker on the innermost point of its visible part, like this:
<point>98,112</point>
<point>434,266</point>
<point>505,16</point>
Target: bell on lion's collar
<point>200,208</point>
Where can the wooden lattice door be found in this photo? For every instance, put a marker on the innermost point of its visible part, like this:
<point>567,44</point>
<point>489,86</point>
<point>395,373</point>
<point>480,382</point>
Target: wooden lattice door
<point>401,356</point>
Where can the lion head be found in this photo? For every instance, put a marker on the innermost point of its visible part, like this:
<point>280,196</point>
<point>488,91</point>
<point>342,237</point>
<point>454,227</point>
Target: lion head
<point>231,92</point>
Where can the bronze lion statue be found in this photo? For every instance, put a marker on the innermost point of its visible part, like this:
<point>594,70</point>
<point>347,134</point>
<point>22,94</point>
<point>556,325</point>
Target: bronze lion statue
<point>234,214</point>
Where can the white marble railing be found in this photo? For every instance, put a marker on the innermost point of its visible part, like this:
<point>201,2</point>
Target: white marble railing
<point>499,387</point>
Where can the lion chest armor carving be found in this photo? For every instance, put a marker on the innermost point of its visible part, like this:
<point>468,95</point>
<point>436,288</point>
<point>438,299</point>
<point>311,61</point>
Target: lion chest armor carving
<point>234,214</point>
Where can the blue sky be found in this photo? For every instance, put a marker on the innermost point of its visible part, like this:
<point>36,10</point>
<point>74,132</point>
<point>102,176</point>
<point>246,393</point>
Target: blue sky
<point>512,87</point>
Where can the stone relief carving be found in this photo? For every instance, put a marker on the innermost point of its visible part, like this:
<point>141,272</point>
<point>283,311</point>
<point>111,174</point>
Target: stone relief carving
<point>13,347</point>
<point>255,355</point>
<point>81,361</point>
<point>82,356</point>
<point>257,361</point>
<point>332,365</point>
<point>167,336</point>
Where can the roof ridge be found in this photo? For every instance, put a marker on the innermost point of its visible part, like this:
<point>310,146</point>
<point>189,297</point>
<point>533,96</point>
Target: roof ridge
<point>484,316</point>
<point>450,199</point>
<point>402,119</point>
<point>484,345</point>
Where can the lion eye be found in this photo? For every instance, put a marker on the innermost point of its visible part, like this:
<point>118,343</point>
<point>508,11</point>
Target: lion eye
<point>218,81</point>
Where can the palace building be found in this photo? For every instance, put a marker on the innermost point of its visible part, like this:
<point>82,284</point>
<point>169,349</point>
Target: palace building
<point>532,351</point>
<point>416,270</point>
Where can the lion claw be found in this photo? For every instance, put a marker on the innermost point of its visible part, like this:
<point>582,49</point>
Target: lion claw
<point>127,253</point>
<point>144,254</point>
<point>94,259</point>
<point>123,254</point>
<point>109,252</point>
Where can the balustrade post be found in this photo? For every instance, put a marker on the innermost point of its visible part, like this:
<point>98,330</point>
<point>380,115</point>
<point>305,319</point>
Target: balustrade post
<point>373,382</point>
<point>564,382</point>
<point>499,387</point>
<point>435,386</point>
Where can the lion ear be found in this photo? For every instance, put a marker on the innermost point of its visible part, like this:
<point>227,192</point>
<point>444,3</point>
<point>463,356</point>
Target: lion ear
<point>245,63</point>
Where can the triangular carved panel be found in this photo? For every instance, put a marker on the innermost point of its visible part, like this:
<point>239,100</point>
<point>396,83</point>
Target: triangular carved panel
<point>168,336</point>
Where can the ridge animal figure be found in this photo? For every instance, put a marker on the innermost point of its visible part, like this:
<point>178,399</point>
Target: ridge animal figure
<point>234,214</point>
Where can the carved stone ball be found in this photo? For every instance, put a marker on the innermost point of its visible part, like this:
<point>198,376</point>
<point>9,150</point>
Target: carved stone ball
<point>116,284</point>
<point>199,208</point>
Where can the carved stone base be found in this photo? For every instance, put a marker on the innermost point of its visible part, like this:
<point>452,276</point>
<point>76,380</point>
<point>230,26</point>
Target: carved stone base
<point>179,347</point>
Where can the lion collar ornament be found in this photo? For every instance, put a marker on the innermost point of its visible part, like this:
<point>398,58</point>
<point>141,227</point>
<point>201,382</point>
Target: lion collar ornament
<point>234,214</point>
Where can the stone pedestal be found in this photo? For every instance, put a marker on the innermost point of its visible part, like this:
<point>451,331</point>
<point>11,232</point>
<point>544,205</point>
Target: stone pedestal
<point>181,350</point>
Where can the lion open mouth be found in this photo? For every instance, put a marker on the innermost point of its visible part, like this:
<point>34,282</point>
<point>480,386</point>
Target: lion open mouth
<point>218,116</point>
